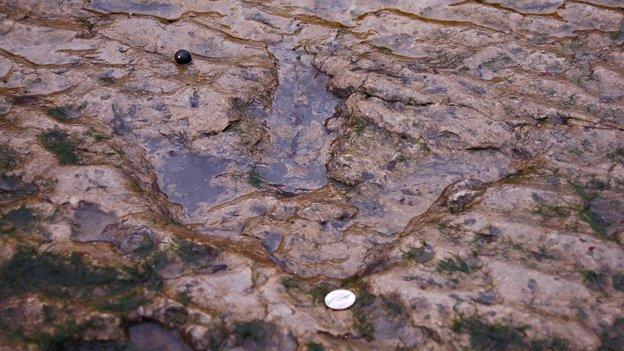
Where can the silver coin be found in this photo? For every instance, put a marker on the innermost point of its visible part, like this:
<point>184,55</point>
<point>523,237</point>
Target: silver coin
<point>340,299</point>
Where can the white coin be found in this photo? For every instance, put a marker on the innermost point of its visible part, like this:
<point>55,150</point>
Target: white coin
<point>340,299</point>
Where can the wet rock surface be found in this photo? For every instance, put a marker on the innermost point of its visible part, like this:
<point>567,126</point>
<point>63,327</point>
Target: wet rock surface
<point>458,165</point>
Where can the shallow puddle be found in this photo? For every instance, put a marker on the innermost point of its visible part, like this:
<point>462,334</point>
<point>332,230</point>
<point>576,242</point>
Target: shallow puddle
<point>294,157</point>
<point>188,179</point>
<point>295,123</point>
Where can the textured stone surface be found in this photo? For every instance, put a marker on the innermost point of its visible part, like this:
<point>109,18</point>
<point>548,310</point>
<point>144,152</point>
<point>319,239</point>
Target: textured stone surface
<point>459,165</point>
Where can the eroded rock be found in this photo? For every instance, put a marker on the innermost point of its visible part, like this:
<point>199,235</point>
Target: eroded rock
<point>459,165</point>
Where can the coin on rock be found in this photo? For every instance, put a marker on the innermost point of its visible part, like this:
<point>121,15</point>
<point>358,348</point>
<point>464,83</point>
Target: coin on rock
<point>340,299</point>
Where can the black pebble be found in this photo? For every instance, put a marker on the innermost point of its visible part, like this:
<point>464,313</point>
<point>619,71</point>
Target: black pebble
<point>183,57</point>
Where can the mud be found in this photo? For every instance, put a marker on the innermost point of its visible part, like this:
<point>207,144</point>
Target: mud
<point>459,165</point>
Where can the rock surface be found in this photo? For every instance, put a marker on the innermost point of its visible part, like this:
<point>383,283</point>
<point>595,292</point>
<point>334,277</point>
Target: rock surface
<point>459,165</point>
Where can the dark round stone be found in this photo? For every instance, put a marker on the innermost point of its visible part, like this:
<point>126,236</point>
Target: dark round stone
<point>183,57</point>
